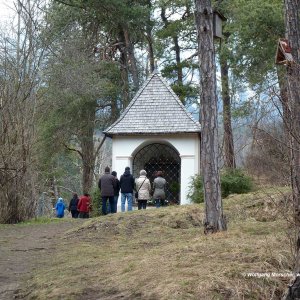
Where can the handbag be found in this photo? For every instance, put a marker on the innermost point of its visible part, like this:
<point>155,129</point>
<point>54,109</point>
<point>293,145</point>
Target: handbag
<point>136,194</point>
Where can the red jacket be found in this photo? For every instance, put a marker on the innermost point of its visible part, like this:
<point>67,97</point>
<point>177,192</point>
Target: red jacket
<point>84,204</point>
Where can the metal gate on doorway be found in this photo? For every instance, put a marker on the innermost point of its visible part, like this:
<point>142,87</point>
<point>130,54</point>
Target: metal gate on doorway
<point>160,157</point>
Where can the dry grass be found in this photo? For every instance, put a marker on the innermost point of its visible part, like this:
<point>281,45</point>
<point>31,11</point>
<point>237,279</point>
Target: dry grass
<point>163,254</point>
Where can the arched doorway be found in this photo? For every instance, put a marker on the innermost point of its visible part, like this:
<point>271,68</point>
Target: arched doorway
<point>159,156</point>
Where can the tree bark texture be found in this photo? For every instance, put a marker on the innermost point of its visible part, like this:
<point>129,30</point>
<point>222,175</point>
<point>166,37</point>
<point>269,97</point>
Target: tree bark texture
<point>292,27</point>
<point>229,158</point>
<point>178,60</point>
<point>124,71</point>
<point>131,57</point>
<point>215,220</point>
<point>149,38</point>
<point>293,79</point>
<point>87,149</point>
<point>151,51</point>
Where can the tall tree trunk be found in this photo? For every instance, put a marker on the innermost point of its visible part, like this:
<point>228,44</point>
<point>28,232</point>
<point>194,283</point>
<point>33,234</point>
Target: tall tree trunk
<point>176,48</point>
<point>87,150</point>
<point>124,71</point>
<point>292,27</point>
<point>293,79</point>
<point>229,160</point>
<point>178,60</point>
<point>214,218</point>
<point>88,164</point>
<point>149,37</point>
<point>131,58</point>
<point>150,50</point>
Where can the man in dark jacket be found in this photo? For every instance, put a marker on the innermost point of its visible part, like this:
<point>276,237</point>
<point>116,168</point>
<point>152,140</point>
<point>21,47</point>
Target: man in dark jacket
<point>107,186</point>
<point>127,185</point>
<point>116,188</point>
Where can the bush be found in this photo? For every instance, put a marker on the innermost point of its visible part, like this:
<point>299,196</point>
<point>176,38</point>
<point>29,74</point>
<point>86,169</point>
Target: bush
<point>232,182</point>
<point>96,202</point>
<point>196,190</point>
<point>235,182</point>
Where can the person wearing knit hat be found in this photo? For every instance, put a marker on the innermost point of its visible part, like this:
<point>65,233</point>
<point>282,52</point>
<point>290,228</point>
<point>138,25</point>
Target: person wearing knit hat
<point>143,188</point>
<point>127,186</point>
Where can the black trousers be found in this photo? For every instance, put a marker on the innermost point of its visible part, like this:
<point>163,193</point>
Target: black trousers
<point>142,204</point>
<point>74,213</point>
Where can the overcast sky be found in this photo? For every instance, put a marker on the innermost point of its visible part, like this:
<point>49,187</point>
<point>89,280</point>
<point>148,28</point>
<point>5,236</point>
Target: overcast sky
<point>6,13</point>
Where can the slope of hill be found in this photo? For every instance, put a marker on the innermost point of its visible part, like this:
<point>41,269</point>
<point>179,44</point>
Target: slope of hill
<point>164,254</point>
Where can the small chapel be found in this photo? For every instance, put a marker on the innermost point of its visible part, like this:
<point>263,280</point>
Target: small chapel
<point>156,133</point>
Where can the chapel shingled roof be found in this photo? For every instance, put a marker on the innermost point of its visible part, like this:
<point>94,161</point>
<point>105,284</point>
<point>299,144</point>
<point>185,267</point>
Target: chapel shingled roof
<point>155,109</point>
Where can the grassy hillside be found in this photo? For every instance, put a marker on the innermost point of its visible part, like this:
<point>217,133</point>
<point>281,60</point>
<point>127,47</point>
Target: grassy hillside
<point>163,254</point>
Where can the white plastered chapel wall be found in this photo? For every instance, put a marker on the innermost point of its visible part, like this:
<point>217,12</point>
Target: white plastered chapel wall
<point>188,146</point>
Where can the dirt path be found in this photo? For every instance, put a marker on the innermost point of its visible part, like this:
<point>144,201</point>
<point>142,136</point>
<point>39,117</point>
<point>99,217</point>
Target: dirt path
<point>21,249</point>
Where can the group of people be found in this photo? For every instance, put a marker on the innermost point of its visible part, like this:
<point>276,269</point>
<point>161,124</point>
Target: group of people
<point>110,187</point>
<point>78,207</point>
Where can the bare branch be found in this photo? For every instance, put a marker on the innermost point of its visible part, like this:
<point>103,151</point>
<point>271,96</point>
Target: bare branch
<point>99,147</point>
<point>65,188</point>
<point>73,149</point>
<point>70,4</point>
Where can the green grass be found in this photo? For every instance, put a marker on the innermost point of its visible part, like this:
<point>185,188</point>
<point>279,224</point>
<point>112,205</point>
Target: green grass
<point>34,221</point>
<point>42,220</point>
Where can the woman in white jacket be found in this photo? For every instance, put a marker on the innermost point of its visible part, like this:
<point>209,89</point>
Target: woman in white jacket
<point>143,187</point>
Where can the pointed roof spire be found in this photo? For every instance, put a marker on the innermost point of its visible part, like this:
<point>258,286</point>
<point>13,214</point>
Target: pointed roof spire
<point>155,109</point>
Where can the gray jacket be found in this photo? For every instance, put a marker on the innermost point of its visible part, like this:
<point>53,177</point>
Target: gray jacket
<point>159,186</point>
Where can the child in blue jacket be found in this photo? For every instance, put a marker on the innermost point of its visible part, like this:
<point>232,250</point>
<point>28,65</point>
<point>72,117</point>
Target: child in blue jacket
<point>60,208</point>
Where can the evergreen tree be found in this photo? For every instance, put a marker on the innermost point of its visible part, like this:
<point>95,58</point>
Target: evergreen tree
<point>82,94</point>
<point>175,41</point>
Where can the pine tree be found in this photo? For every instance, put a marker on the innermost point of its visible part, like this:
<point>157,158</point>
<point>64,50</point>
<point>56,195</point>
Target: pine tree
<point>214,218</point>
